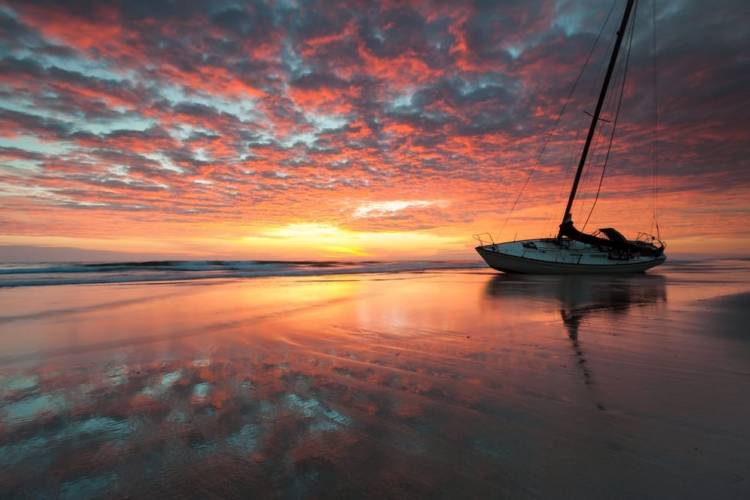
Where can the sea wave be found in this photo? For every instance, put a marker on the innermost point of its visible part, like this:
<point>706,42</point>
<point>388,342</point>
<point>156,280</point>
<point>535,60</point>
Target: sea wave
<point>14,275</point>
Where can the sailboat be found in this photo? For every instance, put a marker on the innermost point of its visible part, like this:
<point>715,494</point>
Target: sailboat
<point>574,251</point>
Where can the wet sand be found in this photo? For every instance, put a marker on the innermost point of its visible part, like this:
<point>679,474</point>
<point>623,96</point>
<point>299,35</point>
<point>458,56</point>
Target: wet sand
<point>460,383</point>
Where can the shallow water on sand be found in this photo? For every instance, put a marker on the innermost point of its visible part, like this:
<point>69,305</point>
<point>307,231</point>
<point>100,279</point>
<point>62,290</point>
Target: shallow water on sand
<point>460,383</point>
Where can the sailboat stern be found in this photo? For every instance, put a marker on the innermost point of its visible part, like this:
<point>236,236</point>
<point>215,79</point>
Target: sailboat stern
<point>611,239</point>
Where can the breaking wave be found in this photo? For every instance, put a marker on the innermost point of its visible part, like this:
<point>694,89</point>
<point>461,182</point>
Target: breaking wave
<point>170,270</point>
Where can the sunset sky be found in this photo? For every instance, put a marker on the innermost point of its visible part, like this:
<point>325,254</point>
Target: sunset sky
<point>363,130</point>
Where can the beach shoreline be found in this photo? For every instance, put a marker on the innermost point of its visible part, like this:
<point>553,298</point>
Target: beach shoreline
<point>421,384</point>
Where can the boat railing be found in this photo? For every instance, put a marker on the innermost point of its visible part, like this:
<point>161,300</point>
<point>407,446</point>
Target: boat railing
<point>484,239</point>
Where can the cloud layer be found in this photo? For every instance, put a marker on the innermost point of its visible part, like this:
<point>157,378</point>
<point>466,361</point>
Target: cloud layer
<point>220,120</point>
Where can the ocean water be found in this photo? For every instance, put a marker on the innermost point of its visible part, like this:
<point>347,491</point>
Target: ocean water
<point>78,273</point>
<point>376,380</point>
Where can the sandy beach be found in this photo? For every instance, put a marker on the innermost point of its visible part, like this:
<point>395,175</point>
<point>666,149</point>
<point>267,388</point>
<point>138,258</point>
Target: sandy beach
<point>442,383</point>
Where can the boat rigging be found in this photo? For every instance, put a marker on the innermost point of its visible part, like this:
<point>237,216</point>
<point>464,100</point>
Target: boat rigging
<point>574,251</point>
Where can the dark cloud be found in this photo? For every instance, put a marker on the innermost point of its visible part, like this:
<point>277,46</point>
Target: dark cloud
<point>14,122</point>
<point>319,80</point>
<point>252,20</point>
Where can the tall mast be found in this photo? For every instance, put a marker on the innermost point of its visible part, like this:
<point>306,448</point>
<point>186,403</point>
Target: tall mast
<point>598,110</point>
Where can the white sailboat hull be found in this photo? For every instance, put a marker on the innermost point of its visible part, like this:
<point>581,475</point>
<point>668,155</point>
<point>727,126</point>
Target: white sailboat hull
<point>548,256</point>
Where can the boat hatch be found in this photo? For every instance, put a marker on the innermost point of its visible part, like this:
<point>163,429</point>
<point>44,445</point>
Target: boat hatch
<point>613,235</point>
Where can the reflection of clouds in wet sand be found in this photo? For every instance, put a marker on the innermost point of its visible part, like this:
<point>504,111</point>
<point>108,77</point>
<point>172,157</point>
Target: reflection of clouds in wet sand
<point>199,410</point>
<point>270,398</point>
<point>449,382</point>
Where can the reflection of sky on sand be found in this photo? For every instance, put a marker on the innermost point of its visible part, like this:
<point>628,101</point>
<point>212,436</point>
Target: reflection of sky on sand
<point>470,383</point>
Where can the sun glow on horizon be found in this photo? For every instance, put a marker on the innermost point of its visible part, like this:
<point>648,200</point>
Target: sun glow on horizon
<point>330,240</point>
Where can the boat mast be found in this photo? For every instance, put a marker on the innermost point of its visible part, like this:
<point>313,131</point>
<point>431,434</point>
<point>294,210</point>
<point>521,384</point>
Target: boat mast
<point>595,117</point>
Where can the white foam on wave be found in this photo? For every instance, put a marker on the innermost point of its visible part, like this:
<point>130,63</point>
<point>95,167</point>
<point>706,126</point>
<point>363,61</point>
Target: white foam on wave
<point>16,275</point>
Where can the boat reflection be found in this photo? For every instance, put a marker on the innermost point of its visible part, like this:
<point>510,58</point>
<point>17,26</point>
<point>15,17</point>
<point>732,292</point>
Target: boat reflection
<point>581,297</point>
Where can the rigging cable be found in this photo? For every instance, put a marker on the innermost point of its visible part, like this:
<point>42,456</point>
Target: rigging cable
<point>574,151</point>
<point>596,156</point>
<point>656,120</point>
<point>614,120</point>
<point>557,121</point>
<point>593,90</point>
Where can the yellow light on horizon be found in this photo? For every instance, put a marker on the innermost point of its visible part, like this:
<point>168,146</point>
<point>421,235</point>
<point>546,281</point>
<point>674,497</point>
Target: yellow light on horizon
<point>306,236</point>
<point>329,239</point>
<point>305,230</point>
